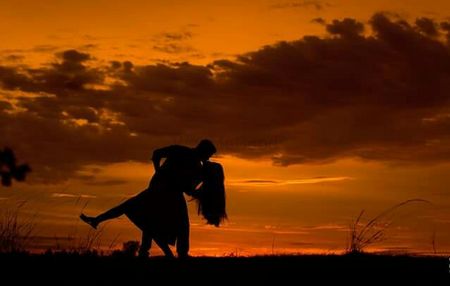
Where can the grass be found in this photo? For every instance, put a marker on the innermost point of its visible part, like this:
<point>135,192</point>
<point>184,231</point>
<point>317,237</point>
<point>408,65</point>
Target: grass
<point>15,234</point>
<point>90,242</point>
<point>80,262</point>
<point>374,230</point>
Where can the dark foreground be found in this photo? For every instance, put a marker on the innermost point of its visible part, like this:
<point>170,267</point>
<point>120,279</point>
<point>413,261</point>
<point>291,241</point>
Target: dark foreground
<point>70,269</point>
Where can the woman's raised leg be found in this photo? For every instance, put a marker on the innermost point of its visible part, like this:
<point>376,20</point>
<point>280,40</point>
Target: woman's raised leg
<point>109,214</point>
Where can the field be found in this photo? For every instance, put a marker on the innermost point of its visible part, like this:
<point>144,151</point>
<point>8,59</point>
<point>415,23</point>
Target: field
<point>91,269</point>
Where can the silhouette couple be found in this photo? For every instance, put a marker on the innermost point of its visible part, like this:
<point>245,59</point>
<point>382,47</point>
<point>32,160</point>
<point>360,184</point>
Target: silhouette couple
<point>160,211</point>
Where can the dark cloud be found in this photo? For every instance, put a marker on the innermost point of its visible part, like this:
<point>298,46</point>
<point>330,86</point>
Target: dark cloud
<point>316,4</point>
<point>176,36</point>
<point>345,28</point>
<point>5,105</point>
<point>14,58</point>
<point>11,78</point>
<point>173,48</point>
<point>381,95</point>
<point>89,46</point>
<point>74,57</point>
<point>45,48</point>
<point>112,182</point>
<point>446,27</point>
<point>173,42</point>
<point>319,20</point>
<point>427,26</point>
<point>69,74</point>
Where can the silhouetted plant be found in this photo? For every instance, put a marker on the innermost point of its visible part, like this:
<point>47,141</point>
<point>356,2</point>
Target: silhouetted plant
<point>433,241</point>
<point>130,248</point>
<point>374,231</point>
<point>88,243</point>
<point>15,234</point>
<point>9,169</point>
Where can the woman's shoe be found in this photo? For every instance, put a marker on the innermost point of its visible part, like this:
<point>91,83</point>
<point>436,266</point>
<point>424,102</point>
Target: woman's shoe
<point>89,220</point>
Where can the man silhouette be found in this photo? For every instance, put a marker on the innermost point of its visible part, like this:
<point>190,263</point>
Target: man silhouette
<point>180,173</point>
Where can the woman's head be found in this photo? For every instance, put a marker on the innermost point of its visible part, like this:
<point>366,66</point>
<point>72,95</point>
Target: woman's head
<point>211,197</point>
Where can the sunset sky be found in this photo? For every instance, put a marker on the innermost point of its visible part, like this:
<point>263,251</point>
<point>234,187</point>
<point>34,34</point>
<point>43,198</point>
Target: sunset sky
<point>319,109</point>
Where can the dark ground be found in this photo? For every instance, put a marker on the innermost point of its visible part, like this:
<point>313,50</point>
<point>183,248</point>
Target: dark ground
<point>70,269</point>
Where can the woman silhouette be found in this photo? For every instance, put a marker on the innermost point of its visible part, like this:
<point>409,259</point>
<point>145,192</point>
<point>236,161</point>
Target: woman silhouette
<point>210,195</point>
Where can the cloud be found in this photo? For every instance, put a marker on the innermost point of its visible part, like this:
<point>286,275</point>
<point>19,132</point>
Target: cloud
<point>64,195</point>
<point>176,36</point>
<point>345,28</point>
<point>173,48</point>
<point>446,27</point>
<point>45,48</point>
<point>427,26</point>
<point>5,106</point>
<point>173,42</point>
<point>316,4</point>
<point>274,182</point>
<point>379,95</point>
<point>14,58</point>
<point>111,182</point>
<point>319,20</point>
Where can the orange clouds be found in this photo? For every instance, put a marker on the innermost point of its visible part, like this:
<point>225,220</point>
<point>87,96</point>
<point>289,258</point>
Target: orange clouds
<point>274,183</point>
<point>311,100</point>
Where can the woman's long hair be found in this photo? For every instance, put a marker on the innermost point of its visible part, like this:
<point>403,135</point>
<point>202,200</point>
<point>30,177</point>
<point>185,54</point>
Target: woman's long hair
<point>211,194</point>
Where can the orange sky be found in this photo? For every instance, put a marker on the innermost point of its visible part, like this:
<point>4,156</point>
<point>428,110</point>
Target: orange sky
<point>129,30</point>
<point>304,207</point>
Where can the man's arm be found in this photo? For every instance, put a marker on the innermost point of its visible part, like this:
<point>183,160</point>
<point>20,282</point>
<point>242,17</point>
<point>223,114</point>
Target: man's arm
<point>164,152</point>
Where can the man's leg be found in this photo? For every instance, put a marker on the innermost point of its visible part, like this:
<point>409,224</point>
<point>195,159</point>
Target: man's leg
<point>183,236</point>
<point>165,248</point>
<point>146,244</point>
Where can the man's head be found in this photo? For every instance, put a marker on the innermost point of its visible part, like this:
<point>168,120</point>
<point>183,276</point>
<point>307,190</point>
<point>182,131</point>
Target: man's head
<point>205,149</point>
